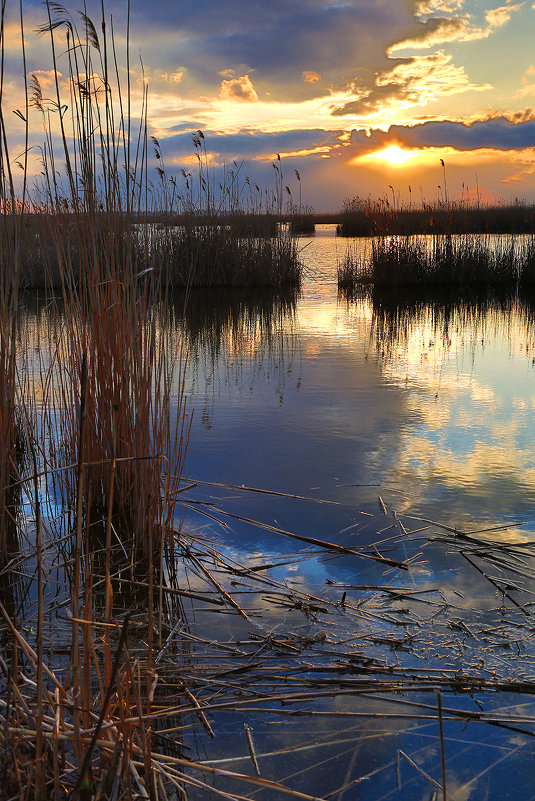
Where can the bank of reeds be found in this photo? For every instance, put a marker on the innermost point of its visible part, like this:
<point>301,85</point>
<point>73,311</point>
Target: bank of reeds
<point>302,224</point>
<point>219,255</point>
<point>196,248</point>
<point>362,217</point>
<point>441,260</point>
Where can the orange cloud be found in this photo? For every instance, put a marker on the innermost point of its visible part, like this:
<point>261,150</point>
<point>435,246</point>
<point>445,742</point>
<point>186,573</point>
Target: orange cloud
<point>240,89</point>
<point>174,77</point>
<point>47,78</point>
<point>310,76</point>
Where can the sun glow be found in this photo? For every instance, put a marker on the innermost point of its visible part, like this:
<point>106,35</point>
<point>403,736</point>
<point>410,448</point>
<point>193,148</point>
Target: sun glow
<point>393,155</point>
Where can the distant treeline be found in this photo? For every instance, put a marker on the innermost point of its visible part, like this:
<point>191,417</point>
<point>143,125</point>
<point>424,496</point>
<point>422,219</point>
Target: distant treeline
<point>374,220</point>
<point>370,221</point>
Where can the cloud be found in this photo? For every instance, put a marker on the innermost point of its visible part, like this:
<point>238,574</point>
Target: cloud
<point>437,6</point>
<point>440,30</point>
<point>240,89</point>
<point>528,84</point>
<point>274,39</point>
<point>500,16</point>
<point>415,80</point>
<point>173,77</point>
<point>495,133</point>
<point>310,76</point>
<point>252,144</point>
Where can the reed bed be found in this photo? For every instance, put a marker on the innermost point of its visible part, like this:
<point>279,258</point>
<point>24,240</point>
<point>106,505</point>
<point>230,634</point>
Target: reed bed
<point>218,255</point>
<point>243,250</point>
<point>302,224</point>
<point>441,260</point>
<point>384,216</point>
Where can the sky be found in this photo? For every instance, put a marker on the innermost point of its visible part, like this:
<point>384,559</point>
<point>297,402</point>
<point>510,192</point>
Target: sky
<point>362,97</point>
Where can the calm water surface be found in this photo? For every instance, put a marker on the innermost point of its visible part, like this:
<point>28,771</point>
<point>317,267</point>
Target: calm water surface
<point>431,401</point>
<point>427,403</point>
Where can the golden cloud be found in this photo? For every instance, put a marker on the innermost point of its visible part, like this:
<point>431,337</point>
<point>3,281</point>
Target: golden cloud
<point>528,84</point>
<point>426,77</point>
<point>47,78</point>
<point>497,17</point>
<point>457,29</point>
<point>413,81</point>
<point>240,89</point>
<point>438,6</point>
<point>310,76</point>
<point>174,77</point>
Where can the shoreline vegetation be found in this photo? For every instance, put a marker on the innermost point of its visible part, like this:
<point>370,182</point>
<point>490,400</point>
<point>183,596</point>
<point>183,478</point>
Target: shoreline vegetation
<point>440,260</point>
<point>359,217</point>
<point>447,244</point>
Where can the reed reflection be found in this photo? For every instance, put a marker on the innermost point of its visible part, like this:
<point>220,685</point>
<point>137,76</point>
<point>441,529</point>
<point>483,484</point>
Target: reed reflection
<point>233,336</point>
<point>402,318</point>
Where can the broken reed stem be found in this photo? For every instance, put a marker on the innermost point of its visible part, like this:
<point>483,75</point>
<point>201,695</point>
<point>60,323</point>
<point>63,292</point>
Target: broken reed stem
<point>39,750</point>
<point>105,703</point>
<point>442,750</point>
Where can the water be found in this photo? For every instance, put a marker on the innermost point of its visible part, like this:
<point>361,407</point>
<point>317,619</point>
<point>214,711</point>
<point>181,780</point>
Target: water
<point>428,403</point>
<point>393,411</point>
<point>430,400</point>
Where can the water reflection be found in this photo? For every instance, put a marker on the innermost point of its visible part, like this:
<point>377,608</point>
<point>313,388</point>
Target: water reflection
<point>465,368</point>
<point>232,337</point>
<point>402,319</point>
<point>432,399</point>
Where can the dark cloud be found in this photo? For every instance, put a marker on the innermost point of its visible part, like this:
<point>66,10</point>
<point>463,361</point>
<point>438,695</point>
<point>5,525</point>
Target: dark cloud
<point>499,133</point>
<point>251,144</point>
<point>274,42</point>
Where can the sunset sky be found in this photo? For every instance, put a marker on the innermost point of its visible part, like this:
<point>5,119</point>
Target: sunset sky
<point>362,98</point>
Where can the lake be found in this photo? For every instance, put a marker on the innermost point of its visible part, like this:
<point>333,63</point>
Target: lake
<point>428,403</point>
<point>348,610</point>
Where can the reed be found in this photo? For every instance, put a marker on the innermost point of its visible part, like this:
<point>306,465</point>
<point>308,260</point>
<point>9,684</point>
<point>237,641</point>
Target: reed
<point>218,255</point>
<point>13,220</point>
<point>440,260</point>
<point>107,445</point>
<point>383,216</point>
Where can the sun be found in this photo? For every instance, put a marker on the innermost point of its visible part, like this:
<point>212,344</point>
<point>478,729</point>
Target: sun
<point>392,155</point>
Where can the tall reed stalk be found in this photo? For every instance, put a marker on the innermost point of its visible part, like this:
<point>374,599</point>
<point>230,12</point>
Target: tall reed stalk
<point>13,219</point>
